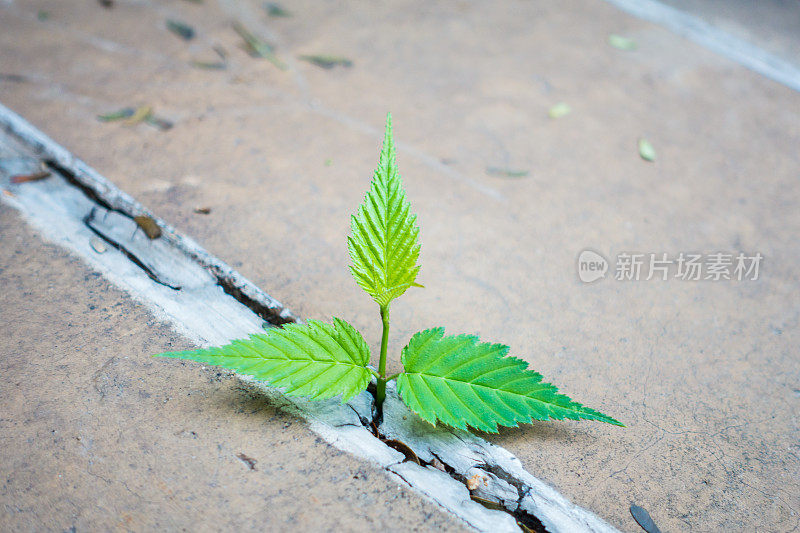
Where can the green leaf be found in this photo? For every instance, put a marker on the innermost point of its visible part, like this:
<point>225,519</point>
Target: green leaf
<point>460,381</point>
<point>646,150</point>
<point>383,241</point>
<point>317,360</point>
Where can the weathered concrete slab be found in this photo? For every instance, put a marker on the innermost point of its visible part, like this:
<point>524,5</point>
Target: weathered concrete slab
<point>705,374</point>
<point>773,25</point>
<point>78,209</point>
<point>96,435</point>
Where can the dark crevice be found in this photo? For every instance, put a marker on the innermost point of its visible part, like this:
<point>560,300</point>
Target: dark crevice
<point>90,193</point>
<point>229,284</point>
<point>527,522</point>
<point>447,468</point>
<point>522,489</point>
<point>87,220</point>
<point>524,518</point>
<point>377,411</point>
<point>232,288</point>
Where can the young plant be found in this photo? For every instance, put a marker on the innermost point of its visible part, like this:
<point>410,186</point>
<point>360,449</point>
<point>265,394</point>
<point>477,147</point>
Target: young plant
<point>453,379</point>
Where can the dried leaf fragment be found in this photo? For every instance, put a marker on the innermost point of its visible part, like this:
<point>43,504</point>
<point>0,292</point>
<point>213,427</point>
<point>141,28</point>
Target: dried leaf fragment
<point>149,226</point>
<point>646,150</point>
<point>209,65</point>
<point>257,47</point>
<point>507,172</point>
<point>222,64</point>
<point>125,112</point>
<point>16,78</point>
<point>140,115</point>
<point>489,504</point>
<point>327,61</point>
<point>35,176</point>
<point>276,10</point>
<point>158,122</point>
<point>249,461</point>
<point>403,448</point>
<point>182,30</point>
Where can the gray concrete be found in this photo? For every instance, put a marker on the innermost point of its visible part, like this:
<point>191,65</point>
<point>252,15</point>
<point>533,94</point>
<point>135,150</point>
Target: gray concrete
<point>98,436</point>
<point>704,374</point>
<point>773,25</point>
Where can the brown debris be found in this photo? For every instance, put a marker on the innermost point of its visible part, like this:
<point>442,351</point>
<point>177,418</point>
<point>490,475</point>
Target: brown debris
<point>489,504</point>
<point>403,448</point>
<point>35,176</point>
<point>438,465</point>
<point>149,226</point>
<point>475,481</point>
<point>249,461</point>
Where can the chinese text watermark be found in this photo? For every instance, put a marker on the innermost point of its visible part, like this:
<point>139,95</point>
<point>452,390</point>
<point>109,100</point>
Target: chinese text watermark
<point>685,266</point>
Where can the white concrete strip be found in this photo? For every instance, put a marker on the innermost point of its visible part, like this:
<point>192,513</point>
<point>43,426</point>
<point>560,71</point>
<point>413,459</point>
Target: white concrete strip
<point>706,35</point>
<point>179,282</point>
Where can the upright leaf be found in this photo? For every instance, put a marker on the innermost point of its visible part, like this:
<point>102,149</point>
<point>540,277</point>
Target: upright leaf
<point>460,381</point>
<point>317,360</point>
<point>383,241</point>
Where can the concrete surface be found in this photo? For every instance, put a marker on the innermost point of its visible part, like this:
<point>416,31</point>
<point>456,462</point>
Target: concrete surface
<point>705,374</point>
<point>182,285</point>
<point>97,436</point>
<point>773,25</point>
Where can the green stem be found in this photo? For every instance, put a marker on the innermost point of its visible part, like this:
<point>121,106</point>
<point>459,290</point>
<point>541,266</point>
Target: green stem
<point>380,394</point>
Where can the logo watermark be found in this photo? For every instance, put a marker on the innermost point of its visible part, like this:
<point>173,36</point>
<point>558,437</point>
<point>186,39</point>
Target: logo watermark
<point>685,266</point>
<point>591,266</point>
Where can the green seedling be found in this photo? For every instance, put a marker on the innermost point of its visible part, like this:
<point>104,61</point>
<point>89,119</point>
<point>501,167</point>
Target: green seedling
<point>453,379</point>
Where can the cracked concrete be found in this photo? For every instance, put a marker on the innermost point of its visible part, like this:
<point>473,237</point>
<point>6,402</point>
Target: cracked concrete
<point>96,435</point>
<point>704,374</point>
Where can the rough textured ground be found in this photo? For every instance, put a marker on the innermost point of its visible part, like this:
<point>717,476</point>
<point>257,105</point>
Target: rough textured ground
<point>98,436</point>
<point>770,24</point>
<point>705,374</point>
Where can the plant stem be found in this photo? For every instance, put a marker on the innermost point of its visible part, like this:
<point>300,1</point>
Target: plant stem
<point>380,394</point>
